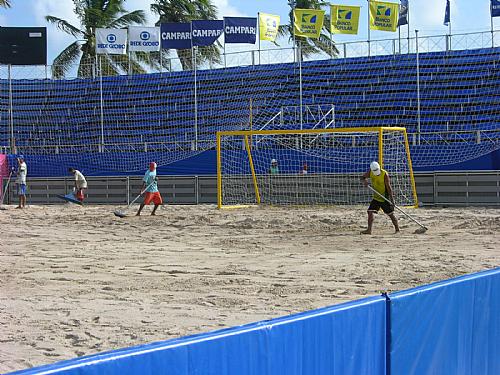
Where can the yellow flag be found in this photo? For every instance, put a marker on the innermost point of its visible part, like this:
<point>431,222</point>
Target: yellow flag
<point>308,22</point>
<point>383,16</point>
<point>345,19</point>
<point>268,26</point>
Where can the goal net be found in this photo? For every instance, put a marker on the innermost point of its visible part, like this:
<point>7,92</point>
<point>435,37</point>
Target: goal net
<point>310,167</point>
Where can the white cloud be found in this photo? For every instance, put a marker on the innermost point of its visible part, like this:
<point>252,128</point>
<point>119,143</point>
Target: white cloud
<point>57,40</point>
<point>63,9</point>
<point>131,5</point>
<point>429,14</point>
<point>227,10</point>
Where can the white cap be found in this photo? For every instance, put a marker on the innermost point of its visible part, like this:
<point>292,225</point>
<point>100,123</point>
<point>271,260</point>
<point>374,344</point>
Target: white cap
<point>273,161</point>
<point>375,168</point>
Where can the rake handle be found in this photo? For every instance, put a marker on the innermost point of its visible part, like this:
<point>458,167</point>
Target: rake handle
<point>140,195</point>
<point>397,207</point>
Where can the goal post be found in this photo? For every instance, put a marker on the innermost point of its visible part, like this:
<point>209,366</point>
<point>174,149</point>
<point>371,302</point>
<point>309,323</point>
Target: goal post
<point>310,167</point>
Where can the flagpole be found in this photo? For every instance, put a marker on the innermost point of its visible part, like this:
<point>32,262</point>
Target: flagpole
<point>161,61</point>
<point>299,58</point>
<point>258,32</point>
<point>331,35</point>
<point>399,39</point>
<point>491,19</point>
<point>369,49</point>
<point>408,19</point>
<point>194,62</point>
<point>223,28</point>
<point>293,31</point>
<point>449,30</point>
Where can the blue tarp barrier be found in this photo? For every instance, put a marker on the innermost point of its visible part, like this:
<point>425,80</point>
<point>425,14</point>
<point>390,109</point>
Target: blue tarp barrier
<point>347,339</point>
<point>205,163</point>
<point>448,328</point>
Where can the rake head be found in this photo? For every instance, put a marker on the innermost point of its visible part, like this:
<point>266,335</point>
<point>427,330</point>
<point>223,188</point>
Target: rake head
<point>120,213</point>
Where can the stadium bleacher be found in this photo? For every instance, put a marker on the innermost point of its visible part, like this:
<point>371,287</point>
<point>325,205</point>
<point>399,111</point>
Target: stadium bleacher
<point>458,92</point>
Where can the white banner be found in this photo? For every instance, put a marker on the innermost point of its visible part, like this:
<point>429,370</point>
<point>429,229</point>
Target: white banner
<point>143,38</point>
<point>111,41</point>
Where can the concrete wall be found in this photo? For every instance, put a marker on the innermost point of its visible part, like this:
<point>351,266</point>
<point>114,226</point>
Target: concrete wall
<point>438,188</point>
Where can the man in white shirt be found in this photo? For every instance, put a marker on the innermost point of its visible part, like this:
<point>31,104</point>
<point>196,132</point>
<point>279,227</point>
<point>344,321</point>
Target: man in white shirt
<point>22,172</point>
<point>80,184</point>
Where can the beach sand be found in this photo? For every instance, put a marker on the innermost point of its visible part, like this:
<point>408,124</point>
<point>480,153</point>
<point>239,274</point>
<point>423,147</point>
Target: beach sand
<point>78,280</point>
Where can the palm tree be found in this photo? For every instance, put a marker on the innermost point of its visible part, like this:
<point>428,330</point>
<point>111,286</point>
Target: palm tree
<point>5,3</point>
<point>310,46</point>
<point>186,11</point>
<point>94,14</point>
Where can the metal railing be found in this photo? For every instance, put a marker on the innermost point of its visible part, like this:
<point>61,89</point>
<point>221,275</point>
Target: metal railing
<point>469,188</point>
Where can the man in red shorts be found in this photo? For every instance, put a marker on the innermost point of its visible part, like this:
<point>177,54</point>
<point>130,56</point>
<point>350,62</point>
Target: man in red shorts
<point>150,187</point>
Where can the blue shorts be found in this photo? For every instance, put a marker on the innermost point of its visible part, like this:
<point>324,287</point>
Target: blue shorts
<point>21,189</point>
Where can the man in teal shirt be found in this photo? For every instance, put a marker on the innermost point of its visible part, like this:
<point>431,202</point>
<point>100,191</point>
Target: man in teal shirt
<point>150,187</point>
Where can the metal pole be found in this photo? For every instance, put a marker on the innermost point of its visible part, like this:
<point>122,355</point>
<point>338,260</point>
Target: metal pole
<point>418,88</point>
<point>399,39</point>
<point>408,31</point>
<point>491,19</point>
<point>129,63</point>
<point>102,103</point>
<point>11,112</point>
<point>161,61</point>
<point>331,40</point>
<point>369,49</point>
<point>293,32</point>
<point>449,31</point>
<point>194,50</point>
<point>223,28</point>
<point>300,83</point>
<point>258,32</point>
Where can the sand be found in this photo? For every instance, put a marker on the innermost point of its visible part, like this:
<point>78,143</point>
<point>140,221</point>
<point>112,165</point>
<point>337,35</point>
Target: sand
<point>78,280</point>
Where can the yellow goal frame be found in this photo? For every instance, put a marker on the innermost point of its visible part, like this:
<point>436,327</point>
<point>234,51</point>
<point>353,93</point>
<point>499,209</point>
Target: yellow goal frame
<point>247,134</point>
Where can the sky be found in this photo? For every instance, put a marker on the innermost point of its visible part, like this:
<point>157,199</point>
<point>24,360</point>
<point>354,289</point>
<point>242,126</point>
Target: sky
<point>425,15</point>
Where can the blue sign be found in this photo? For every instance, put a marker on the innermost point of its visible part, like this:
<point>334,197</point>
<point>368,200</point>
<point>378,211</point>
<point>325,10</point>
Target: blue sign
<point>240,30</point>
<point>175,35</point>
<point>495,8</point>
<point>205,33</point>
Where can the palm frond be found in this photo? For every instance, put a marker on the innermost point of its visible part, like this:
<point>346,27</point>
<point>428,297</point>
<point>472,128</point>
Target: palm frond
<point>65,26</point>
<point>5,3</point>
<point>135,17</point>
<point>65,60</point>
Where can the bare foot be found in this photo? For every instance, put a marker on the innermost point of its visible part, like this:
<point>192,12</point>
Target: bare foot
<point>397,231</point>
<point>366,232</point>
<point>138,214</point>
<point>19,207</point>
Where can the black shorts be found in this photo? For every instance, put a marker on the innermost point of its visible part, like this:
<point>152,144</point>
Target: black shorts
<point>375,206</point>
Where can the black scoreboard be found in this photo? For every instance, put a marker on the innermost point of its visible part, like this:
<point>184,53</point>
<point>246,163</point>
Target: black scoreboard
<point>23,45</point>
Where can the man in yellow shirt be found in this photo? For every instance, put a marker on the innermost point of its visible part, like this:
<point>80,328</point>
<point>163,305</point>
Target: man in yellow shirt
<point>382,184</point>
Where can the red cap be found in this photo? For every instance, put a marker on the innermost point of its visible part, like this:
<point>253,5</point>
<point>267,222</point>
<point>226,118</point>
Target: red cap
<point>152,166</point>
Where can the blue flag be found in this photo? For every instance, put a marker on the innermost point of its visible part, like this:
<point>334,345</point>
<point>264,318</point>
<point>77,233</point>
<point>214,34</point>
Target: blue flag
<point>495,8</point>
<point>175,35</point>
<point>403,13</point>
<point>240,30</point>
<point>447,13</point>
<point>205,33</point>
